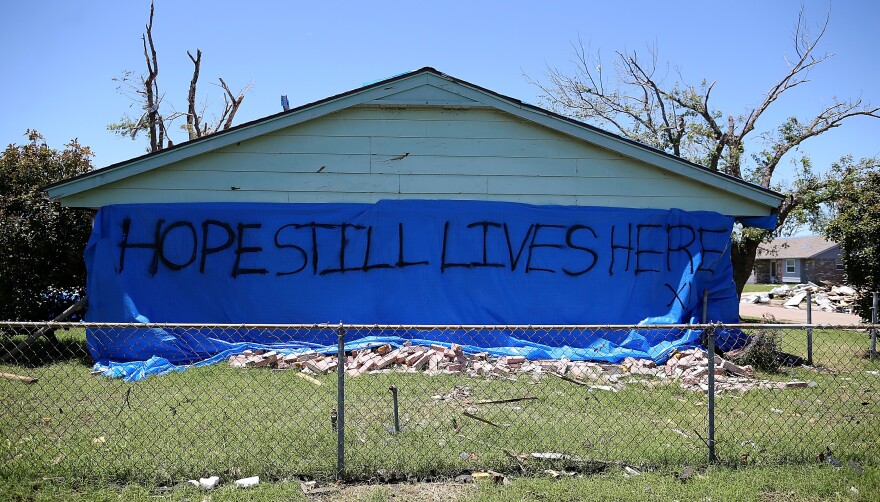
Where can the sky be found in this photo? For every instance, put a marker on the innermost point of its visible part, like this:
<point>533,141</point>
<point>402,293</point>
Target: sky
<point>60,57</point>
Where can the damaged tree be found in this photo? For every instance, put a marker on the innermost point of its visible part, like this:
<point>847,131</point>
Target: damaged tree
<point>680,120</point>
<point>155,121</point>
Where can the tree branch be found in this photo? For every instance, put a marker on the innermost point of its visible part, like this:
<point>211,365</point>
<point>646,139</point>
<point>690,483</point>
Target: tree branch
<point>797,73</point>
<point>192,118</point>
<point>151,87</point>
<point>827,119</point>
<point>231,105</point>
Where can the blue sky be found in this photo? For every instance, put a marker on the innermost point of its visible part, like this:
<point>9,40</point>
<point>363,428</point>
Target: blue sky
<point>59,57</point>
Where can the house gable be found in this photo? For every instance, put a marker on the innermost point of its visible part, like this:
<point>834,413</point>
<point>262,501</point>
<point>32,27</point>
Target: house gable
<point>422,135</point>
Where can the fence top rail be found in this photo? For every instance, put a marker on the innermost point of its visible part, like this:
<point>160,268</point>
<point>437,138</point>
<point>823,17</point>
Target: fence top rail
<point>429,327</point>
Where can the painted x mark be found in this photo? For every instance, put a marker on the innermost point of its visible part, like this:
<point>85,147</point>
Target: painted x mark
<point>675,294</point>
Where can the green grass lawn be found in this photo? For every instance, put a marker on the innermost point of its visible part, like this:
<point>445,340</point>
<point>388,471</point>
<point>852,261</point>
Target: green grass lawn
<point>79,431</point>
<point>759,288</point>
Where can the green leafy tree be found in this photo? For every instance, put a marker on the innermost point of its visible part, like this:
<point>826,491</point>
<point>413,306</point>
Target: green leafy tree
<point>855,224</point>
<point>41,243</point>
<point>633,98</point>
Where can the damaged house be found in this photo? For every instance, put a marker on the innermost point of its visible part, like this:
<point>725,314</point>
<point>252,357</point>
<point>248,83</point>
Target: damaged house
<point>420,199</point>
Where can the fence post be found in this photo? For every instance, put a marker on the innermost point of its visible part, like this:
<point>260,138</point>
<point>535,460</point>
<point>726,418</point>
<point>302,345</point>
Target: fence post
<point>809,330</point>
<point>710,342</point>
<point>705,306</point>
<point>874,329</point>
<point>711,431</point>
<point>340,403</point>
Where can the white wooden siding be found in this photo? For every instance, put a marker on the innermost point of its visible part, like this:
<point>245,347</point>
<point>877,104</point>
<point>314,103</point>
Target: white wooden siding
<point>369,153</point>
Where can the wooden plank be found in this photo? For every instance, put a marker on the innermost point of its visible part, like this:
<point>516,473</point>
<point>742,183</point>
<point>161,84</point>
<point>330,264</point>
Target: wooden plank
<point>623,187</point>
<point>276,162</point>
<point>421,113</point>
<point>619,168</point>
<point>733,206</point>
<point>19,378</point>
<point>523,166</point>
<point>163,179</point>
<point>494,127</point>
<point>477,166</point>
<point>358,127</point>
<point>444,184</point>
<point>563,200</point>
<point>308,378</point>
<point>480,147</point>
<point>299,144</point>
<point>107,196</point>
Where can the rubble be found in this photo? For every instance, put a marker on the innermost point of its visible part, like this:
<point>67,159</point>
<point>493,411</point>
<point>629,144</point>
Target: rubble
<point>207,483</point>
<point>247,482</point>
<point>689,368</point>
<point>825,298</point>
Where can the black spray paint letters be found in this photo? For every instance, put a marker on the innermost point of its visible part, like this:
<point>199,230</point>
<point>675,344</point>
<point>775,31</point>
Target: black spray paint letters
<point>241,239</point>
<point>322,249</point>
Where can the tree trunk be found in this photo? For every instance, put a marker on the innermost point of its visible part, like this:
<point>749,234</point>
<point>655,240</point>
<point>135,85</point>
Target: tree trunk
<point>742,256</point>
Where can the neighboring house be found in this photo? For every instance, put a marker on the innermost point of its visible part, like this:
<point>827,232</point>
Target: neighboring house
<point>799,260</point>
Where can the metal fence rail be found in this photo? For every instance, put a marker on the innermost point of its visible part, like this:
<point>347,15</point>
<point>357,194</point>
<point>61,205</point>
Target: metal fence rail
<point>794,394</point>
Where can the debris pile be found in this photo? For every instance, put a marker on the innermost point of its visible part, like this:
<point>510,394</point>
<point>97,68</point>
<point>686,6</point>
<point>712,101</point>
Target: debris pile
<point>690,368</point>
<point>825,298</point>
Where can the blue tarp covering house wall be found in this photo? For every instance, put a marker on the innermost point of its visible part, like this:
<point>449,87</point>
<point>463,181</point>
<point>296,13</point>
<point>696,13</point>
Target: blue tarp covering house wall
<point>400,262</point>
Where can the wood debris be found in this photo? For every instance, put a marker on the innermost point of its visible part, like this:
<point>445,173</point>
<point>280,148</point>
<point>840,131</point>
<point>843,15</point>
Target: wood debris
<point>19,378</point>
<point>481,419</point>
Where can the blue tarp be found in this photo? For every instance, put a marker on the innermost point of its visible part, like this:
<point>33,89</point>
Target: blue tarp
<point>765,222</point>
<point>400,262</point>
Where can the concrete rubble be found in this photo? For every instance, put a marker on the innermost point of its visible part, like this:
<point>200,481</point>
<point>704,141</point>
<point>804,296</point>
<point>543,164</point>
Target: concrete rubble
<point>825,298</point>
<point>247,482</point>
<point>688,368</point>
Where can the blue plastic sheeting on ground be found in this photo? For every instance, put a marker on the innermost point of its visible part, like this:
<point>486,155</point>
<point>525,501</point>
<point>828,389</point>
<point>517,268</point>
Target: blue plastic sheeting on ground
<point>401,262</point>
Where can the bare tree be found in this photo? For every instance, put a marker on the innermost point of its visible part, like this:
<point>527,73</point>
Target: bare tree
<point>158,115</point>
<point>677,118</point>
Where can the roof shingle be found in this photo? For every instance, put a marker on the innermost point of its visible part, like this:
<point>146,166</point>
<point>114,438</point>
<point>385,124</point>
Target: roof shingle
<point>794,247</point>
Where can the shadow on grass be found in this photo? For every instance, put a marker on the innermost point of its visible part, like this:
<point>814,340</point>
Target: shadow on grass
<point>62,346</point>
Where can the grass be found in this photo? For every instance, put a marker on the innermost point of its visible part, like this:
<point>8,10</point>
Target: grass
<point>81,433</point>
<point>773,483</point>
<point>759,288</point>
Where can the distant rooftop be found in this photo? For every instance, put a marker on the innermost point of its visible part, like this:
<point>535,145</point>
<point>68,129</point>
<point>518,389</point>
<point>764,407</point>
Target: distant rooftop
<point>795,247</point>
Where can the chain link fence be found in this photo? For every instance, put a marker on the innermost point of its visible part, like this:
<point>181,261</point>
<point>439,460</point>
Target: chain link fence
<point>795,393</point>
